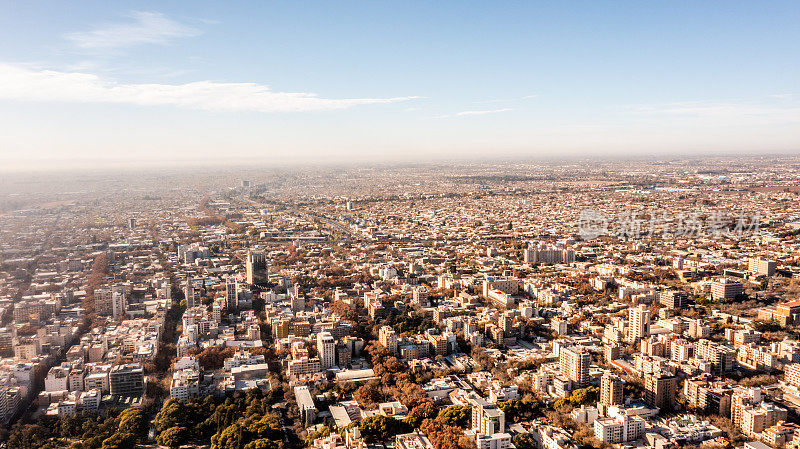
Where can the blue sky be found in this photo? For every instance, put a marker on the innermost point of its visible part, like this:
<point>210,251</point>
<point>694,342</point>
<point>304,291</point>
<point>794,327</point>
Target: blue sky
<point>341,81</point>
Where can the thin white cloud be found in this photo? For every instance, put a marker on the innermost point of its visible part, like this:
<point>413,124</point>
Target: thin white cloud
<point>723,112</point>
<point>507,100</point>
<point>145,28</point>
<point>26,84</point>
<point>490,111</point>
<point>482,112</point>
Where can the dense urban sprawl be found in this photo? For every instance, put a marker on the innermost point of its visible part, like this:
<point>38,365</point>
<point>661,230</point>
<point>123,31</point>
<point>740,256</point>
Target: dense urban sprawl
<point>485,305</point>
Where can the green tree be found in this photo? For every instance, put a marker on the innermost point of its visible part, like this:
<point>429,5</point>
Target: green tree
<point>230,437</point>
<point>132,421</point>
<point>381,428</point>
<point>173,437</point>
<point>119,441</point>
<point>584,396</point>
<point>173,413</point>
<point>521,410</point>
<point>524,441</point>
<point>321,433</point>
<point>457,415</point>
<point>263,443</point>
<point>29,436</point>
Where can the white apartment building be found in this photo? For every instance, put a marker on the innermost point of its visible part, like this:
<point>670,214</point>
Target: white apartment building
<point>495,441</point>
<point>619,429</point>
<point>326,349</point>
<point>638,323</point>
<point>388,338</point>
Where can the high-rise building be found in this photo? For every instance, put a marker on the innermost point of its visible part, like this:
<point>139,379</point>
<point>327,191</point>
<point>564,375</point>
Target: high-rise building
<point>119,304</point>
<point>638,323</point>
<point>792,374</point>
<point>256,267</point>
<point>762,266</point>
<point>611,390</point>
<point>102,301</point>
<point>438,344</point>
<point>190,253</point>
<point>7,335</point>
<point>297,298</point>
<point>308,411</point>
<point>388,338</point>
<point>188,293</point>
<point>231,293</point>
<point>619,429</point>
<point>506,323</point>
<point>326,349</point>
<point>660,390</point>
<point>574,362</point>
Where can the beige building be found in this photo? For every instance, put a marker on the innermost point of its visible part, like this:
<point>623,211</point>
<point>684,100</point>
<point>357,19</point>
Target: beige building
<point>725,288</point>
<point>638,323</point>
<point>388,338</point>
<point>660,390</point>
<point>611,392</point>
<point>762,266</point>
<point>574,362</point>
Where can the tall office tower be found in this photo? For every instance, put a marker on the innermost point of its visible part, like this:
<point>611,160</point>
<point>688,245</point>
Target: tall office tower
<point>131,223</point>
<point>119,304</point>
<point>638,323</point>
<point>102,301</point>
<point>660,390</point>
<point>506,323</point>
<point>188,292</point>
<point>388,338</point>
<point>326,349</point>
<point>231,293</point>
<point>256,266</point>
<point>574,362</point>
<point>611,390</point>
